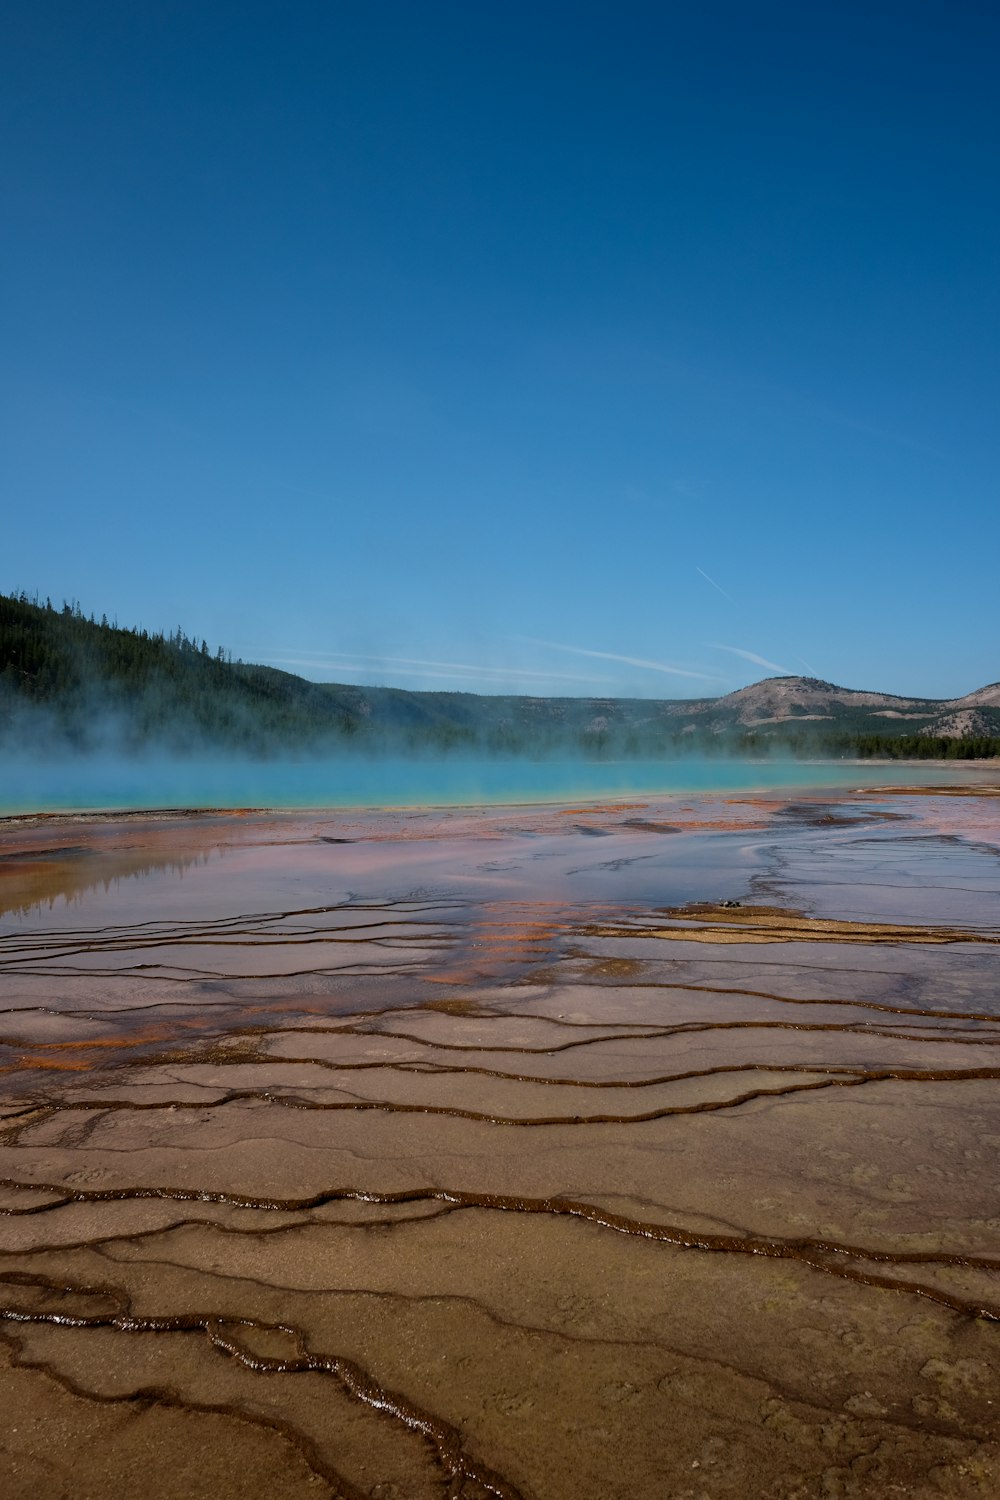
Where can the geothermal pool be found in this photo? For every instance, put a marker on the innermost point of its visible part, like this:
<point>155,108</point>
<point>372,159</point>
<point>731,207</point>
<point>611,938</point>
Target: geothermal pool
<point>31,782</point>
<point>630,1148</point>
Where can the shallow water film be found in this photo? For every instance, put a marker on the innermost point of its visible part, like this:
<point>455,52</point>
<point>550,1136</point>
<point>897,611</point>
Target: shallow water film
<point>637,1149</point>
<point>106,782</point>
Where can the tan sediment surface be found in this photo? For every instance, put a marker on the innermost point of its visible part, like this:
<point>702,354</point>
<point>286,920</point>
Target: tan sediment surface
<point>637,1150</point>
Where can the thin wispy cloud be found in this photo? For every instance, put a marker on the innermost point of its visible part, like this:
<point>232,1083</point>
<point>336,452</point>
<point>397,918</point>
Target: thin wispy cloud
<point>412,666</point>
<point>759,661</point>
<point>629,661</point>
<point>775,399</point>
<point>714,584</point>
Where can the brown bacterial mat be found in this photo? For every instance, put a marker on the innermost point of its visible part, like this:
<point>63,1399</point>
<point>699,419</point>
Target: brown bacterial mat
<point>469,1154</point>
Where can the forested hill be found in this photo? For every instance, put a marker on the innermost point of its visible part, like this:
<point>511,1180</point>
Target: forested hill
<point>72,683</point>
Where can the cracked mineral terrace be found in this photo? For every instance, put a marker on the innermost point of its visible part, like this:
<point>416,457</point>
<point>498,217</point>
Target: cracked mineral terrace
<point>642,1149</point>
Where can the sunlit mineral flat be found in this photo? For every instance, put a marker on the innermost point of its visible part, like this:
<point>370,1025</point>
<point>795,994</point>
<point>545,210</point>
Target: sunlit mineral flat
<point>599,1152</point>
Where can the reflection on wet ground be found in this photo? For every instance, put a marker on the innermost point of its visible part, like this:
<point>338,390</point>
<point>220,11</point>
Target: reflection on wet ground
<point>636,1150</point>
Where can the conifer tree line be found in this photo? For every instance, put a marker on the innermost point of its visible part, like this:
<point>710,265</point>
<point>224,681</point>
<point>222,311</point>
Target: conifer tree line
<point>82,676</point>
<point>72,610</point>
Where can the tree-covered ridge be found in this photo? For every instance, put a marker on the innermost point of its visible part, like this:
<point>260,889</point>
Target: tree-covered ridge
<point>72,682</point>
<point>84,677</point>
<point>46,652</point>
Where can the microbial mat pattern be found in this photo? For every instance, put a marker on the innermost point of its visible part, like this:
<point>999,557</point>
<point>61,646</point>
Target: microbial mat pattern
<point>544,1154</point>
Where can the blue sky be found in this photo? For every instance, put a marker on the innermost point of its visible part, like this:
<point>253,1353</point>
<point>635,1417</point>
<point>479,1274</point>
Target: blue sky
<point>548,348</point>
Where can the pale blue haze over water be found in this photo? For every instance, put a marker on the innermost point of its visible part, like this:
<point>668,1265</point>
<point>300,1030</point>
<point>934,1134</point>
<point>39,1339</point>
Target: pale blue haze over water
<point>390,781</point>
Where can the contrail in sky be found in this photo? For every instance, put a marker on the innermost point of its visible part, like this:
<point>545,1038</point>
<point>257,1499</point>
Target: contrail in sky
<point>334,661</point>
<point>714,584</point>
<point>629,661</point>
<point>760,661</point>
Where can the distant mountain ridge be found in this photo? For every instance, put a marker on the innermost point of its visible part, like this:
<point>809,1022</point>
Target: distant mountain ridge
<point>76,684</point>
<point>784,700</point>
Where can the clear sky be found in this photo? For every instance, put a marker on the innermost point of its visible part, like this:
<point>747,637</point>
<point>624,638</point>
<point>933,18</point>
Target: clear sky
<point>525,347</point>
